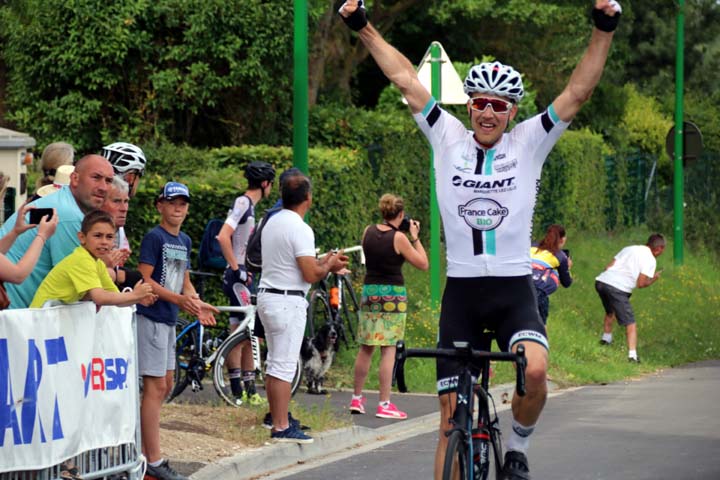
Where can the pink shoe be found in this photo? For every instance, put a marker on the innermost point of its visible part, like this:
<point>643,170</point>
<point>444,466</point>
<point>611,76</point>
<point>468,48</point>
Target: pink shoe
<point>391,411</point>
<point>357,406</point>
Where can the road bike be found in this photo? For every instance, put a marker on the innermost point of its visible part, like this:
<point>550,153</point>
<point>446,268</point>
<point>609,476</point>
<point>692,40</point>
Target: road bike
<point>333,301</point>
<point>198,354</point>
<point>468,455</point>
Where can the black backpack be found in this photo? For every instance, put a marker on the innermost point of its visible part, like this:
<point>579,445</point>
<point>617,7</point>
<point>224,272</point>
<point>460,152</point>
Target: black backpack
<point>253,252</point>
<point>210,255</point>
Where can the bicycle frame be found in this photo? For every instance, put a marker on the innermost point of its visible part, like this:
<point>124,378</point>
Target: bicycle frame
<point>334,280</point>
<point>467,390</point>
<point>247,324</point>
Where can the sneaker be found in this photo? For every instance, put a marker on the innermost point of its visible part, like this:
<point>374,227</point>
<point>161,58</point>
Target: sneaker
<point>255,400</point>
<point>605,342</point>
<point>516,466</point>
<point>391,411</point>
<point>634,359</point>
<point>238,401</point>
<point>292,434</point>
<point>163,472</point>
<point>357,406</point>
<point>267,422</point>
<point>69,472</point>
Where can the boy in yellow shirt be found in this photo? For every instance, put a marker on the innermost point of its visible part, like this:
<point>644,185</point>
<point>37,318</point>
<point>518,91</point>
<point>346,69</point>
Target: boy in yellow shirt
<point>82,275</point>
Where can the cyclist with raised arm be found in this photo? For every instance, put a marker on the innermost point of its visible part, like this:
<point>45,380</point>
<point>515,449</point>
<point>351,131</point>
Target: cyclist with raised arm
<point>486,183</point>
<point>233,238</point>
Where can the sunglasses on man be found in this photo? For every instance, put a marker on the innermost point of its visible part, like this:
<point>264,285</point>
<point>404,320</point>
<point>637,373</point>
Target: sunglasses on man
<point>496,104</point>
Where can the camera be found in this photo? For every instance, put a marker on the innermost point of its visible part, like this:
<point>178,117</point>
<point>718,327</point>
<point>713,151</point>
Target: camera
<point>405,224</point>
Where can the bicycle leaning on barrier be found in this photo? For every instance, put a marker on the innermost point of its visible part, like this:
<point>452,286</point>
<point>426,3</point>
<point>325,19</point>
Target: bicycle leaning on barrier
<point>468,454</point>
<point>333,301</point>
<point>196,354</point>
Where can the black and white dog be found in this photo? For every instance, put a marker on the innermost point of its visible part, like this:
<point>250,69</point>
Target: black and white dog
<point>317,355</point>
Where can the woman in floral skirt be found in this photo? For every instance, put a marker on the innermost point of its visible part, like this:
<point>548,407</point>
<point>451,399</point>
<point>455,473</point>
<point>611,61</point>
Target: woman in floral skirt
<point>384,298</point>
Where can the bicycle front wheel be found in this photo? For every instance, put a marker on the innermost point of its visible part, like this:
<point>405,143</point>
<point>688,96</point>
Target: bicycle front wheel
<point>318,313</point>
<point>185,350</point>
<point>456,466</point>
<point>495,455</point>
<point>221,376</point>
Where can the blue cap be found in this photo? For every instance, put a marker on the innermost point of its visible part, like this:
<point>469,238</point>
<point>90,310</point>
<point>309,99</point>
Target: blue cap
<point>173,190</point>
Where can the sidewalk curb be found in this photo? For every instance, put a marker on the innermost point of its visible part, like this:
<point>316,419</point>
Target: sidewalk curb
<point>278,456</point>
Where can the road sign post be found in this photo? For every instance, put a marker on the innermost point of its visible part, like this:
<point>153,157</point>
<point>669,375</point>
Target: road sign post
<point>437,74</point>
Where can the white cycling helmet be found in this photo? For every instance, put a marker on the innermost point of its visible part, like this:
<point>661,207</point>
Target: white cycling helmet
<point>496,79</point>
<point>125,157</point>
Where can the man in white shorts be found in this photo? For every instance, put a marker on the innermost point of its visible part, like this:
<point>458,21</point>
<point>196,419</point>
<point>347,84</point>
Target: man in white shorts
<point>289,267</point>
<point>633,267</point>
<point>486,182</point>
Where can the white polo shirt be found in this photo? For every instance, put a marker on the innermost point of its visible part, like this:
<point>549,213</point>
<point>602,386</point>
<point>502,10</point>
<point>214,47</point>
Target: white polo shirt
<point>285,237</point>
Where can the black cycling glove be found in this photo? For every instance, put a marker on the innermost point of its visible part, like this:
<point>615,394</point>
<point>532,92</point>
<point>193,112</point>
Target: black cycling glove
<point>605,22</point>
<point>357,20</point>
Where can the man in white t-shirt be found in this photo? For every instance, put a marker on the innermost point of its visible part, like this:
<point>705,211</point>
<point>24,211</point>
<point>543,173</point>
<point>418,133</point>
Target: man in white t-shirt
<point>633,267</point>
<point>289,267</point>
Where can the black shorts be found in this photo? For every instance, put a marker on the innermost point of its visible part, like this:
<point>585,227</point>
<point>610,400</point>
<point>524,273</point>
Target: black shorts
<point>616,302</point>
<point>504,305</point>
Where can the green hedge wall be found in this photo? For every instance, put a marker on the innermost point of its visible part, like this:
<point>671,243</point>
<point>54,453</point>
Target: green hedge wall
<point>573,185</point>
<point>348,182</point>
<point>342,205</point>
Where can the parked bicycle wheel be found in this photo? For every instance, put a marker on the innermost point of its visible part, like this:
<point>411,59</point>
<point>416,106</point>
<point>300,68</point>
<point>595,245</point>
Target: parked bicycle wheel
<point>456,462</point>
<point>350,308</point>
<point>221,378</point>
<point>319,312</point>
<point>185,349</point>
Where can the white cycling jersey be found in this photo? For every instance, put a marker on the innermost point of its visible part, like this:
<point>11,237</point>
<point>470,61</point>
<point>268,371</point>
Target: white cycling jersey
<point>487,195</point>
<point>242,220</point>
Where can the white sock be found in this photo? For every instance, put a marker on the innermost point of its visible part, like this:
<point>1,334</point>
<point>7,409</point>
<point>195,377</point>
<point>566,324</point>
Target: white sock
<point>384,404</point>
<point>357,397</point>
<point>607,337</point>
<point>632,354</point>
<point>157,463</point>
<point>519,438</point>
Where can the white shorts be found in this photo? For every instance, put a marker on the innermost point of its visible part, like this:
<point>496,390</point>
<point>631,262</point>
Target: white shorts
<point>284,318</point>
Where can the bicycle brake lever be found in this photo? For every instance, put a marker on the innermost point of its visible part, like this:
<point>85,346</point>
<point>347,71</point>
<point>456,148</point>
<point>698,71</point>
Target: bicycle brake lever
<point>521,363</point>
<point>398,376</point>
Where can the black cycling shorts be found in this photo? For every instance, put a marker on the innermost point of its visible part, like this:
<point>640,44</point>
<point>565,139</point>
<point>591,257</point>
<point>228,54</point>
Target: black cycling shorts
<point>504,305</point>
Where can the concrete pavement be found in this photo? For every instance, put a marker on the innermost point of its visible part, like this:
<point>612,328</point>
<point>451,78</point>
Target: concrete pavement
<point>367,432</point>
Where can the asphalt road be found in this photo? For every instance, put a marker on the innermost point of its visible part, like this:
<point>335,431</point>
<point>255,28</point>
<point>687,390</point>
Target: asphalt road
<point>663,426</point>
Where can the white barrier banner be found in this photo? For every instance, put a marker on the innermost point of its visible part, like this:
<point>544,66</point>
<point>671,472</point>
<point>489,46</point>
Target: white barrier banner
<point>68,383</point>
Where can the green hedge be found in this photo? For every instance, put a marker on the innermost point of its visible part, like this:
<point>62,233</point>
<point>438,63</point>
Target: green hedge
<point>348,182</point>
<point>573,185</point>
<point>342,205</point>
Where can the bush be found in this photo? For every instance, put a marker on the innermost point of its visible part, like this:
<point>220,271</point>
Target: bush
<point>573,185</point>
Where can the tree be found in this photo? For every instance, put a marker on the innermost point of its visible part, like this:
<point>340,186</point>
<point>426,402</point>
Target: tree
<point>206,72</point>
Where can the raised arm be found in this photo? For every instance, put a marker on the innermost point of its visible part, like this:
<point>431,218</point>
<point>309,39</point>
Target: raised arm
<point>17,273</point>
<point>396,67</point>
<point>587,73</point>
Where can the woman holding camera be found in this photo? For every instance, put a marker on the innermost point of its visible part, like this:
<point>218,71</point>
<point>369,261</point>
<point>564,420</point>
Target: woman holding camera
<point>383,308</point>
<point>550,266</point>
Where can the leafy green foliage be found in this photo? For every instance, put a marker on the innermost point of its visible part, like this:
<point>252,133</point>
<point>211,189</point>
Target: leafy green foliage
<point>572,189</point>
<point>185,70</point>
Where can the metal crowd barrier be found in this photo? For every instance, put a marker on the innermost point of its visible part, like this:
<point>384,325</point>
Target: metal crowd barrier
<point>121,462</point>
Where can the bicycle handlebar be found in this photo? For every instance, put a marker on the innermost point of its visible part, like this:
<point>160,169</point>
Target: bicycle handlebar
<point>463,352</point>
<point>356,248</point>
<point>245,309</point>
